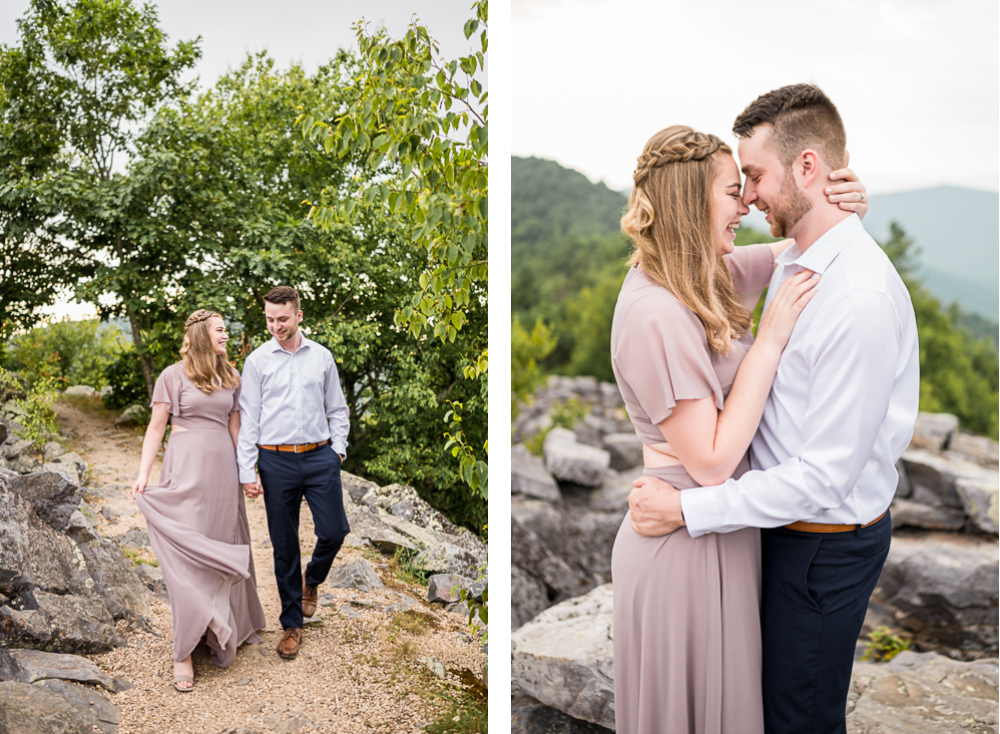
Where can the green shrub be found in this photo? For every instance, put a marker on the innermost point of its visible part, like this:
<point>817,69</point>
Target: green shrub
<point>883,646</point>
<point>38,419</point>
<point>67,352</point>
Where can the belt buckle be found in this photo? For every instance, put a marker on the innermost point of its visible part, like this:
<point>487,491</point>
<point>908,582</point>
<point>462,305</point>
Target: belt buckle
<point>300,448</point>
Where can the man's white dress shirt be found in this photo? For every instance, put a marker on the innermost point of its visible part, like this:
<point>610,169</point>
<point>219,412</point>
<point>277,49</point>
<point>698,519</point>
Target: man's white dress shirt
<point>843,404</point>
<point>289,398</point>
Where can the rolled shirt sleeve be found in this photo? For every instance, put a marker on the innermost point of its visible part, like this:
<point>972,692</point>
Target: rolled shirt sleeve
<point>853,352</point>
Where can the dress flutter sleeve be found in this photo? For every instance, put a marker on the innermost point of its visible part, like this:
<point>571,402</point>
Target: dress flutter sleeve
<point>167,389</point>
<point>751,267</point>
<point>662,354</point>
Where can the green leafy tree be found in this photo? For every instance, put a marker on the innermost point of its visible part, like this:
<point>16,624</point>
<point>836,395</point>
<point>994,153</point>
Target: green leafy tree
<point>527,349</point>
<point>67,352</point>
<point>94,71</point>
<point>421,124</point>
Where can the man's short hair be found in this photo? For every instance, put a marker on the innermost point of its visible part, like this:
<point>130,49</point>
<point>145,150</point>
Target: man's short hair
<point>802,117</point>
<point>283,294</point>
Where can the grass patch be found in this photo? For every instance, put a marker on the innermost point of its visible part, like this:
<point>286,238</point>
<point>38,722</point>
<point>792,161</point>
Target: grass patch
<point>89,404</point>
<point>465,706</point>
<point>138,556</point>
<point>883,646</point>
<point>407,569</point>
<point>414,622</point>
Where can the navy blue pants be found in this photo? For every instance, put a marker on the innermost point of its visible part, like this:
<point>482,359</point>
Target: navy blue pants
<point>815,593</point>
<point>287,478</point>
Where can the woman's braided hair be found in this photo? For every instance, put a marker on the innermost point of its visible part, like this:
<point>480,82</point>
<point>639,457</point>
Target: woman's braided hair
<point>669,220</point>
<point>208,370</point>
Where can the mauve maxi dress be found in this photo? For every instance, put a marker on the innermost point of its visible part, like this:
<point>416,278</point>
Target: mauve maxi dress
<point>198,526</point>
<point>686,628</point>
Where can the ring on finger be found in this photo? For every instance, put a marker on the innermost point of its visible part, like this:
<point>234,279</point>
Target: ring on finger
<point>862,196</point>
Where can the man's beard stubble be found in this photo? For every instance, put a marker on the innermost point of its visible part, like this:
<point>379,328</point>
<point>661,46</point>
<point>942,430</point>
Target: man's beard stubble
<point>789,208</point>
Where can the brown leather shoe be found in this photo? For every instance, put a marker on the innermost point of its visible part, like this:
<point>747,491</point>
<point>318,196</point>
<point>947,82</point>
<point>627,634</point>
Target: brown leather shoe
<point>288,648</point>
<point>310,598</point>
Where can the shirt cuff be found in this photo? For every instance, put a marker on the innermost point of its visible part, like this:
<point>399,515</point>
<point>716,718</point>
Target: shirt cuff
<point>340,448</point>
<point>701,509</point>
<point>248,477</point>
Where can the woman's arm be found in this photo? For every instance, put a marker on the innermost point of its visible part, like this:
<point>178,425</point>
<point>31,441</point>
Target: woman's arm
<point>234,427</point>
<point>780,246</point>
<point>710,444</point>
<point>151,445</point>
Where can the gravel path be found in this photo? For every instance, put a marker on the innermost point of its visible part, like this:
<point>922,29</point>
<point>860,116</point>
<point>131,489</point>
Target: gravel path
<point>360,669</point>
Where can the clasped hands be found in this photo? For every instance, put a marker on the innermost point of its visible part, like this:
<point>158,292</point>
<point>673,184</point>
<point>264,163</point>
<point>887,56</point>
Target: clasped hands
<point>253,489</point>
<point>654,507</point>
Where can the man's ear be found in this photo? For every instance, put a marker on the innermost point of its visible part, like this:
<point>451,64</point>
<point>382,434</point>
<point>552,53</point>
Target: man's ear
<point>847,159</point>
<point>807,167</point>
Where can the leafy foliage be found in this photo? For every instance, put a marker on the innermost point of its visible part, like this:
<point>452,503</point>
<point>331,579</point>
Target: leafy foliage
<point>37,418</point>
<point>68,352</point>
<point>883,646</point>
<point>526,351</point>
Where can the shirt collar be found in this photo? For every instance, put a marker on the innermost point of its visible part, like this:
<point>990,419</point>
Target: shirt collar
<point>276,347</point>
<point>824,250</point>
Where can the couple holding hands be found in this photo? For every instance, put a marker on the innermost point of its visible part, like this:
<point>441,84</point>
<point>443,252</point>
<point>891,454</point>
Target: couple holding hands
<point>280,430</point>
<point>742,578</point>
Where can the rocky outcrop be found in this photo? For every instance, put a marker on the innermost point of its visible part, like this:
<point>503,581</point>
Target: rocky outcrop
<point>564,658</point>
<point>54,707</point>
<point>926,692</point>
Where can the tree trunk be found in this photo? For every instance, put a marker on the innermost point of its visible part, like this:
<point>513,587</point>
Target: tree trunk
<point>144,359</point>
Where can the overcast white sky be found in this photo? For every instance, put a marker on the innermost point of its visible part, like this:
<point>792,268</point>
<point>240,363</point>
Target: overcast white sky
<point>916,81</point>
<point>309,31</point>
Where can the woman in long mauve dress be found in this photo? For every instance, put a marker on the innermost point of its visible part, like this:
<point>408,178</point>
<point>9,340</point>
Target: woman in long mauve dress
<point>196,516</point>
<point>687,654</point>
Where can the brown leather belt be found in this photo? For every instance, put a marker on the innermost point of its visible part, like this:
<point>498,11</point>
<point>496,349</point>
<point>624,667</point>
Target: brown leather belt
<point>820,527</point>
<point>298,448</point>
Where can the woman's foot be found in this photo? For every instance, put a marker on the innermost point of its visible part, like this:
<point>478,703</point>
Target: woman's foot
<point>184,675</point>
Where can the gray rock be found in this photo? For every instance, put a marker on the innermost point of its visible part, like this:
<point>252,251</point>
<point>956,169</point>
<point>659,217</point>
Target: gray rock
<point>76,461</point>
<point>611,398</point>
<point>32,554</point>
<point>80,528</point>
<point>933,430</point>
<point>923,693</point>
<point>943,588</point>
<point>528,596</point>
<point>977,449</point>
<point>981,502</point>
<point>933,477</point>
<point>25,464</point>
<point>66,470</point>
<point>132,415</point>
<point>355,575</point>
<point>443,588</point>
<point>76,624</point>
<point>122,684</point>
<point>625,450</point>
<point>53,449</point>
<point>5,431</point>
<point>903,487</point>
<point>445,557</point>
<point>434,666</point>
<point>80,390</point>
<point>52,495</point>
<point>914,514</point>
<point>530,716</point>
<point>570,461</point>
<point>107,390</point>
<point>612,496</point>
<point>110,513</point>
<point>137,539</point>
<point>29,666</point>
<point>123,591</point>
<point>528,475</point>
<point>562,580</point>
<point>564,658</point>
<point>355,487</point>
<point>54,707</point>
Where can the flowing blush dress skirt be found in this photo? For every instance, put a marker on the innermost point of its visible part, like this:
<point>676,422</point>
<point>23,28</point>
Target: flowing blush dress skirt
<point>687,652</point>
<point>198,528</point>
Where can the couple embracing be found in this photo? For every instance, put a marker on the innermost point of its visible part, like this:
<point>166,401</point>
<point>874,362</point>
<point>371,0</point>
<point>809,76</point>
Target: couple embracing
<point>279,430</point>
<point>741,580</point>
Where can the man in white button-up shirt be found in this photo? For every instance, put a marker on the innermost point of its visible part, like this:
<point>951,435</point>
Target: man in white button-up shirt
<point>293,428</point>
<point>840,414</point>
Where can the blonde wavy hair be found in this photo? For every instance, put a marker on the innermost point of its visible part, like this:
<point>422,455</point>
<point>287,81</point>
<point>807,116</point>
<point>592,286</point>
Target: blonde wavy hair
<point>669,220</point>
<point>208,370</point>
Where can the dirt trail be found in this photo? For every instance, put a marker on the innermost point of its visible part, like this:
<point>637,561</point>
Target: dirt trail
<point>359,669</point>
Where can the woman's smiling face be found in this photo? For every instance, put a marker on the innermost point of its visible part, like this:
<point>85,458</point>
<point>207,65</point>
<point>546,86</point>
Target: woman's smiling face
<point>727,204</point>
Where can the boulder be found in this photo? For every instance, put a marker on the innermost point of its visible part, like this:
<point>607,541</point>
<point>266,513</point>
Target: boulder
<point>123,591</point>
<point>915,514</point>
<point>52,495</point>
<point>933,477</point>
<point>528,596</point>
<point>564,658</point>
<point>529,477</point>
<point>978,449</point>
<point>530,716</point>
<point>355,487</point>
<point>132,415</point>
<point>54,707</point>
<point>29,666</point>
<point>443,588</point>
<point>534,558</point>
<point>76,461</point>
<point>354,575</point>
<point>925,692</point>
<point>933,430</point>
<point>80,390</point>
<point>53,449</point>
<point>625,450</point>
<point>981,502</point>
<point>943,588</point>
<point>612,495</point>
<point>571,461</point>
<point>152,577</point>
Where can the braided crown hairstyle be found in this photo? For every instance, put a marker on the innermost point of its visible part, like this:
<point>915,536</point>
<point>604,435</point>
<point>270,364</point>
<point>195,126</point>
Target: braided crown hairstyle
<point>208,370</point>
<point>669,220</point>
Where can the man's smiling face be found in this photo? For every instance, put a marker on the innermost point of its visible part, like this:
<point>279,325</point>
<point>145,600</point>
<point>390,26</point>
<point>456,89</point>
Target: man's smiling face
<point>769,186</point>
